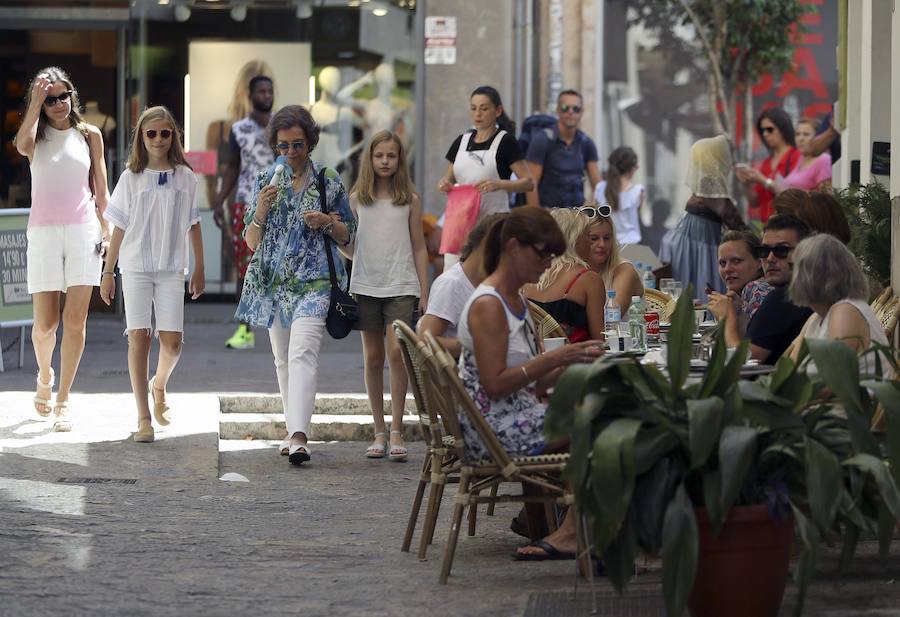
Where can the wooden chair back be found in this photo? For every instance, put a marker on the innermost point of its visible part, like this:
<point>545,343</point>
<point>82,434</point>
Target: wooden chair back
<point>661,302</point>
<point>415,366</point>
<point>495,449</point>
<point>545,325</point>
<point>882,299</point>
<point>888,315</point>
<point>438,392</point>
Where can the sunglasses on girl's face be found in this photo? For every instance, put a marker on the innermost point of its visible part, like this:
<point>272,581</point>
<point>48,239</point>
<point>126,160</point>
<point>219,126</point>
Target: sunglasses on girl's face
<point>296,146</point>
<point>575,109</point>
<point>164,133</point>
<point>781,251</point>
<point>604,210</point>
<point>62,97</point>
<point>765,130</point>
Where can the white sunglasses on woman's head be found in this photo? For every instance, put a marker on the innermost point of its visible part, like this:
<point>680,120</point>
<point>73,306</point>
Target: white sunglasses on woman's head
<point>604,210</point>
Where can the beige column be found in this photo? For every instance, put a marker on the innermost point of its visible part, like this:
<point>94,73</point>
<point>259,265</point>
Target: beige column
<point>895,144</point>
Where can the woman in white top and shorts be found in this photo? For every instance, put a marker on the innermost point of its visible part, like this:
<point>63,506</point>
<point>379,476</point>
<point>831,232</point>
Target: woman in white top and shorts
<point>66,231</point>
<point>486,157</point>
<point>154,211</point>
<point>389,279</point>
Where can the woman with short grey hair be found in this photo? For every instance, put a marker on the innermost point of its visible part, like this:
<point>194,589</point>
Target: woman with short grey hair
<point>829,280</point>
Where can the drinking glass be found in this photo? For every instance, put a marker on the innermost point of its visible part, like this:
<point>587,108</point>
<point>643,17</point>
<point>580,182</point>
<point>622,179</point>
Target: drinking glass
<point>676,289</point>
<point>665,285</point>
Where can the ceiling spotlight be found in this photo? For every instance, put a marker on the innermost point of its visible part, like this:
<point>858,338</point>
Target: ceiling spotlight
<point>379,9</point>
<point>182,12</point>
<point>239,12</point>
<point>304,9</point>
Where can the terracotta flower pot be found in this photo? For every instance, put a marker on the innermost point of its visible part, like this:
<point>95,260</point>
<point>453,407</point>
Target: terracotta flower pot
<point>743,571</point>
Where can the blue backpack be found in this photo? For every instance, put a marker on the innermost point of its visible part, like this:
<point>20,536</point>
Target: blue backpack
<point>533,124</point>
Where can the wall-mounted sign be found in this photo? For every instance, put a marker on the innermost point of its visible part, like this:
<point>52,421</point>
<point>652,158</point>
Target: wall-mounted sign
<point>440,40</point>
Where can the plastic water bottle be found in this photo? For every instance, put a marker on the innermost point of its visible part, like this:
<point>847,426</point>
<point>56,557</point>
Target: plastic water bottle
<point>637,327</point>
<point>648,279</point>
<point>613,313</point>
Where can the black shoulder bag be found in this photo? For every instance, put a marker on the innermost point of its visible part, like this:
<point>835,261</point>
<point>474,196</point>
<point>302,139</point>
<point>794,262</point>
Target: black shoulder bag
<point>342,309</point>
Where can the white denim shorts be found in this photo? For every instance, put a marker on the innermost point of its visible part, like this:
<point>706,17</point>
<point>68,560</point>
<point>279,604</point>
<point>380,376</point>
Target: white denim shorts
<point>145,293</point>
<point>63,256</point>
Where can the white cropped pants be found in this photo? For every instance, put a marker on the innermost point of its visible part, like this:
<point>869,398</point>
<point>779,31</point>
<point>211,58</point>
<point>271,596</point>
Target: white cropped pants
<point>296,352</point>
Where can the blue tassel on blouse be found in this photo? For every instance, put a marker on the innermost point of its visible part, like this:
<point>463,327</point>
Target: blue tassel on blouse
<point>163,178</point>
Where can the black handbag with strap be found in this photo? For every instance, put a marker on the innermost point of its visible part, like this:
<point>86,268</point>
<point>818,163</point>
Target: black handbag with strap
<point>342,308</point>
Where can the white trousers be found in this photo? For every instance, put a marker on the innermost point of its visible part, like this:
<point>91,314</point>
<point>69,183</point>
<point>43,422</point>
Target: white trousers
<point>296,352</point>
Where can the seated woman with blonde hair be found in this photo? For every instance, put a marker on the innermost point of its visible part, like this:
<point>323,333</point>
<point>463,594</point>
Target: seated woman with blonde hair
<point>829,280</point>
<point>617,274</point>
<point>568,290</point>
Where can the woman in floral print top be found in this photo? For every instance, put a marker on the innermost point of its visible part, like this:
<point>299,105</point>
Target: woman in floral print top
<point>287,287</point>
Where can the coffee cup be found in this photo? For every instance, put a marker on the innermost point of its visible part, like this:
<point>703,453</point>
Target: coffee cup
<point>554,342</point>
<point>620,342</point>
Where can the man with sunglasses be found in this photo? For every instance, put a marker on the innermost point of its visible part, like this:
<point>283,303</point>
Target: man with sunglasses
<point>778,321</point>
<point>558,158</point>
<point>249,153</point>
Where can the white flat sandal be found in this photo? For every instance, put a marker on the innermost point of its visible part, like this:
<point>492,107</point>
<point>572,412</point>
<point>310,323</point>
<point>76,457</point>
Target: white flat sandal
<point>377,450</point>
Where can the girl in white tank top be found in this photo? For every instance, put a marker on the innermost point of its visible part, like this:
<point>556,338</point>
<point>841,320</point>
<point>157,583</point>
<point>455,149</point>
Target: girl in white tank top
<point>389,278</point>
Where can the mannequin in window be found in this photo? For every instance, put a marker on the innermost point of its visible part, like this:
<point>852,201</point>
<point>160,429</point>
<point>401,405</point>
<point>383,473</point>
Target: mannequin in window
<point>336,120</point>
<point>380,112</point>
<point>104,122</point>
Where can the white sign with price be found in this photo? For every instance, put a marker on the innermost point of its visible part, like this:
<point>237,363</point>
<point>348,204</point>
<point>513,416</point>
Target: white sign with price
<point>440,40</point>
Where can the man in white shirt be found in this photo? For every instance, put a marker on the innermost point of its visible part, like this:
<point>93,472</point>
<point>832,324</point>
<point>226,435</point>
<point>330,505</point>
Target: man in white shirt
<point>451,290</point>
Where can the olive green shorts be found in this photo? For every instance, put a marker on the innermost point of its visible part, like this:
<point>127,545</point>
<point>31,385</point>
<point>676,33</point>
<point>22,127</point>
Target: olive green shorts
<point>377,313</point>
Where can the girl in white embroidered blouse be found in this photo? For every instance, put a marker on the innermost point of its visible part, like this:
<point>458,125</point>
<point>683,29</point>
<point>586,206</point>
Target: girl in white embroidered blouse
<point>154,213</point>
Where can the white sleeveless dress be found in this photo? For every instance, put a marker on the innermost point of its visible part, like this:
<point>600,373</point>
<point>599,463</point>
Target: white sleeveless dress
<point>517,419</point>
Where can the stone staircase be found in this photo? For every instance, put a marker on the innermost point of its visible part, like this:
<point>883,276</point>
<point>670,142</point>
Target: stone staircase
<point>337,417</point>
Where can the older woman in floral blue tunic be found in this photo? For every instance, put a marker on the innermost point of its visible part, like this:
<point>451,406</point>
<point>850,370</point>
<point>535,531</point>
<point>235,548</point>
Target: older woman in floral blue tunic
<point>287,286</point>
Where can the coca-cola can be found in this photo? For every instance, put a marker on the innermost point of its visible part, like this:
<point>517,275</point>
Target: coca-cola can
<point>652,320</point>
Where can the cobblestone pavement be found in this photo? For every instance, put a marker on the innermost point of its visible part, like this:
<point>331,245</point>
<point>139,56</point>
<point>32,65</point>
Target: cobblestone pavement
<point>318,540</point>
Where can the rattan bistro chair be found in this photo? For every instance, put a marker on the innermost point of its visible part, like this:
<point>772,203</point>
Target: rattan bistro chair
<point>544,324</point>
<point>540,476</point>
<point>441,464</point>
<point>661,302</point>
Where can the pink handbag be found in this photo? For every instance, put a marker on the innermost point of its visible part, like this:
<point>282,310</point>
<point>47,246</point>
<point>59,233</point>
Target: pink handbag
<point>463,206</point>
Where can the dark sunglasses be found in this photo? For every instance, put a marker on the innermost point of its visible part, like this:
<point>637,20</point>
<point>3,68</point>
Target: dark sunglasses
<point>575,109</point>
<point>296,146</point>
<point>50,101</point>
<point>164,133</point>
<point>765,130</point>
<point>543,253</point>
<point>604,210</point>
<point>779,251</point>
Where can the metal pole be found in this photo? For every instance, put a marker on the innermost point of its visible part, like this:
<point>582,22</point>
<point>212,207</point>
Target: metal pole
<point>142,57</point>
<point>529,50</point>
<point>419,153</point>
<point>121,98</point>
<point>518,47</point>
<point>599,89</point>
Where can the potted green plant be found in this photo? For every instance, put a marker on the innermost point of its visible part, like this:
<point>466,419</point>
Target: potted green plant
<point>868,210</point>
<point>668,465</point>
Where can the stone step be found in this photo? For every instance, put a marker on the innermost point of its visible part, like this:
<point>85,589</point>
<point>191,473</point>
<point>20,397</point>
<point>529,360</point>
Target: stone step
<point>326,404</point>
<point>324,427</point>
